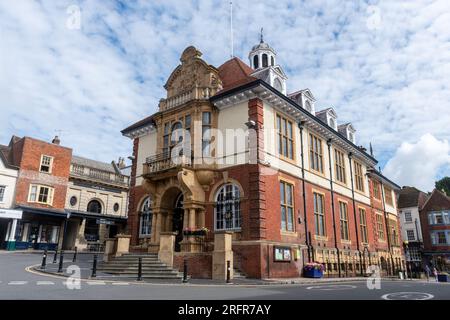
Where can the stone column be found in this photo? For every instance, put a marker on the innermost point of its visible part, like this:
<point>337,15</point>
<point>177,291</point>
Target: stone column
<point>222,253</point>
<point>80,241</point>
<point>201,218</point>
<point>154,221</point>
<point>186,219</point>
<point>12,233</point>
<point>123,244</point>
<point>166,248</point>
<point>167,223</point>
<point>192,218</point>
<point>158,226</point>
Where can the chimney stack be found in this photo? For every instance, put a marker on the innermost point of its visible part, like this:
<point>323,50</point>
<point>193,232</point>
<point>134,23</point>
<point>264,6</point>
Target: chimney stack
<point>121,163</point>
<point>56,140</point>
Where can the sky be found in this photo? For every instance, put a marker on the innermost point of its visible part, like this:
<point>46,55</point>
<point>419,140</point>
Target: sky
<point>87,69</point>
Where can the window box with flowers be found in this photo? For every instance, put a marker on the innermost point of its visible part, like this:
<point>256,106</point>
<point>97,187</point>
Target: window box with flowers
<point>195,232</point>
<point>313,270</point>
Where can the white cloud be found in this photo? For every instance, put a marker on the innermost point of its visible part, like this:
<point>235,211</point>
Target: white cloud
<point>389,81</point>
<point>419,164</point>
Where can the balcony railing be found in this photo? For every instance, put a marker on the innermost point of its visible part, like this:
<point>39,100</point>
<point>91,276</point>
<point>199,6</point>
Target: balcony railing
<point>164,161</point>
<point>193,94</point>
<point>91,173</point>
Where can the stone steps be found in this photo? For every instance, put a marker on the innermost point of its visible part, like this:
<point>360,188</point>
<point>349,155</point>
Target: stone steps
<point>128,266</point>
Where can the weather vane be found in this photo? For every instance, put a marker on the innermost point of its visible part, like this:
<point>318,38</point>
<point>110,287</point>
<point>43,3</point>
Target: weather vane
<point>262,37</point>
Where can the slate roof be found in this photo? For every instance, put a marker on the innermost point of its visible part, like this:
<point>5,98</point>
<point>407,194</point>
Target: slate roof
<point>93,164</point>
<point>139,124</point>
<point>411,197</point>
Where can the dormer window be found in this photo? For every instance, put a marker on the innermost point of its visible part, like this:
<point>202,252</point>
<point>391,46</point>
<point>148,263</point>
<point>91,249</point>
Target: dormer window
<point>278,85</point>
<point>308,106</point>
<point>332,123</point>
<point>351,137</point>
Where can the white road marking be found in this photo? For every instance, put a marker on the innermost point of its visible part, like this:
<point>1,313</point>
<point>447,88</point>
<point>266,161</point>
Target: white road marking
<point>15,283</point>
<point>407,296</point>
<point>120,283</point>
<point>332,287</point>
<point>45,283</point>
<point>96,283</point>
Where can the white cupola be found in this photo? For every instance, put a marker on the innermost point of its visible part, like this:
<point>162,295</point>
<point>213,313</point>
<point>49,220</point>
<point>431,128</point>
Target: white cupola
<point>263,60</point>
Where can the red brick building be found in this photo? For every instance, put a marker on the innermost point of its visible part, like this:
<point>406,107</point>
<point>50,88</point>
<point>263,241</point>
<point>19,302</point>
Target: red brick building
<point>288,182</point>
<point>40,190</point>
<point>435,223</point>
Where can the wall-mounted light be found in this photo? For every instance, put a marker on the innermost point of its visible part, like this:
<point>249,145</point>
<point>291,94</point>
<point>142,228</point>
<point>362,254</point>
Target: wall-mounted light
<point>251,124</point>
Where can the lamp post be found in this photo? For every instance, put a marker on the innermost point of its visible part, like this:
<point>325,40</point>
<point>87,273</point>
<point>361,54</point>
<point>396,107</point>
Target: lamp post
<point>65,229</point>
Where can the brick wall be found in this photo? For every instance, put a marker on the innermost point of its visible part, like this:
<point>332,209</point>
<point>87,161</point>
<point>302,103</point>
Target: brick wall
<point>199,264</point>
<point>30,160</point>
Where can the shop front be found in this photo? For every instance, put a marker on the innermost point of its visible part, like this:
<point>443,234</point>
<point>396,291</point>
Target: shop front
<point>9,220</point>
<point>39,229</point>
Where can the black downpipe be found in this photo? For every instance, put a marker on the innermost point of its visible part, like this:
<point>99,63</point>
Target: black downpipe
<point>305,221</point>
<point>388,234</point>
<point>332,207</point>
<point>354,216</point>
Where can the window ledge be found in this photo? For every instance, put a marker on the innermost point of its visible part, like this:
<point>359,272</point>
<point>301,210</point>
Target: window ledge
<point>321,238</point>
<point>289,233</point>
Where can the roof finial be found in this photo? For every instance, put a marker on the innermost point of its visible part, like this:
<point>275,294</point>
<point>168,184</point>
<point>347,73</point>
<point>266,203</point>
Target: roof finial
<point>262,37</point>
<point>371,149</point>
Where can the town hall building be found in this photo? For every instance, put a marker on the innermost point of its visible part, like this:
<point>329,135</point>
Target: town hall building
<point>230,150</point>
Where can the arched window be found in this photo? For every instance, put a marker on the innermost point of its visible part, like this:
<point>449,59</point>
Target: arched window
<point>145,221</point>
<point>278,85</point>
<point>272,61</point>
<point>265,62</point>
<point>228,208</point>
<point>256,62</point>
<point>94,206</point>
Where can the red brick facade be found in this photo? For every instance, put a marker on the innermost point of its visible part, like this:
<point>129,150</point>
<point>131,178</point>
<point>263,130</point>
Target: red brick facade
<point>28,154</point>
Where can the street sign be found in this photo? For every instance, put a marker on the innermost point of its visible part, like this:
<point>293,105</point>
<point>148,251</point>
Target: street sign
<point>105,221</point>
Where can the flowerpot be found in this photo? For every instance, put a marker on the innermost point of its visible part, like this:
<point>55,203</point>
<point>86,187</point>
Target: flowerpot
<point>443,278</point>
<point>312,273</point>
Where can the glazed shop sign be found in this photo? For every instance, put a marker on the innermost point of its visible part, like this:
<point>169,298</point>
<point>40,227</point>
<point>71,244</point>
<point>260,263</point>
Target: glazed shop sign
<point>10,214</point>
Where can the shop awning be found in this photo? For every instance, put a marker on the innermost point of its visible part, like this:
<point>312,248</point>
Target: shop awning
<point>99,216</point>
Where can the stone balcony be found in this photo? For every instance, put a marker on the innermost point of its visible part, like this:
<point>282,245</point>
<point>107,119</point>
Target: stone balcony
<point>195,93</point>
<point>164,162</point>
<point>87,173</point>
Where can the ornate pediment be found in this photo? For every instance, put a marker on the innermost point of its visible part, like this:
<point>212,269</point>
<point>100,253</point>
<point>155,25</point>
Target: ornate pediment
<point>193,73</point>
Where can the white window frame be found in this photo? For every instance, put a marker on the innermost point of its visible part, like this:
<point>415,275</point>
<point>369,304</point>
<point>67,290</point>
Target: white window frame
<point>236,220</point>
<point>141,220</point>
<point>50,165</point>
<point>2,193</point>
<point>37,192</point>
<point>408,234</point>
<point>409,214</point>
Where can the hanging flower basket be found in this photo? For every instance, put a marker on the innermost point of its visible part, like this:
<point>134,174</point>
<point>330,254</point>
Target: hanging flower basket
<point>195,232</point>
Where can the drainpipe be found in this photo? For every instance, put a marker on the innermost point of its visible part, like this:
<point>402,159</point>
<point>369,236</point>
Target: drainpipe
<point>301,125</point>
<point>350,156</point>
<point>388,235</point>
<point>332,206</point>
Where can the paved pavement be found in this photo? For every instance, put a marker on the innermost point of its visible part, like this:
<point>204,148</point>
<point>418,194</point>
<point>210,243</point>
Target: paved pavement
<point>19,281</point>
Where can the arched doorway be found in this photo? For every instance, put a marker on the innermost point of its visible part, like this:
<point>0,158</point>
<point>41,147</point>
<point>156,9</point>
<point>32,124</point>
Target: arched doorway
<point>91,230</point>
<point>177,221</point>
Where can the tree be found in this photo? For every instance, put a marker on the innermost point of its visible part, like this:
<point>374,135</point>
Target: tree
<point>444,184</point>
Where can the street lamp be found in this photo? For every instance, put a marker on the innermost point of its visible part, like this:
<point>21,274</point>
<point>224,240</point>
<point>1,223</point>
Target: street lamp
<point>65,229</point>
